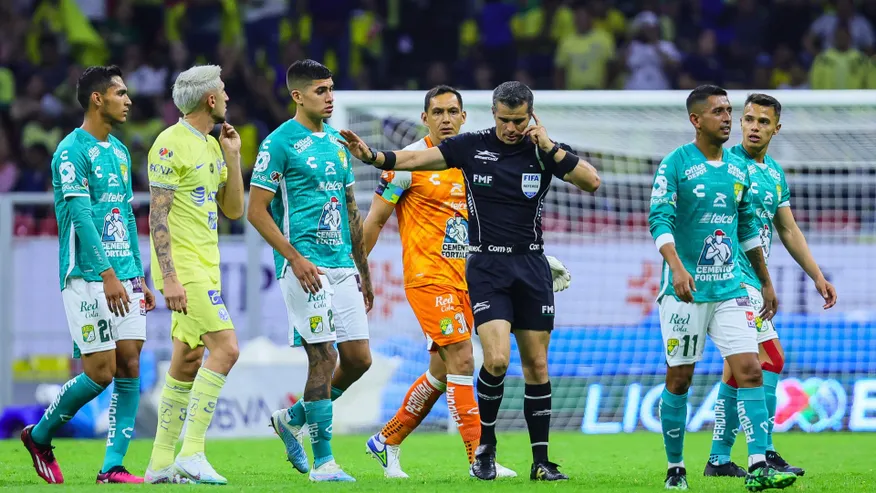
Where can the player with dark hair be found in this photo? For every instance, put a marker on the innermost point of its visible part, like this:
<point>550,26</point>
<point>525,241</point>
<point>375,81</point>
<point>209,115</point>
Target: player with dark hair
<point>701,213</point>
<point>303,204</point>
<point>771,198</point>
<point>101,276</point>
<point>507,171</point>
<point>433,226</point>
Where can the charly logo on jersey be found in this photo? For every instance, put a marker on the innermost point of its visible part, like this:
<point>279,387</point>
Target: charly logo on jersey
<point>487,156</point>
<point>455,238</point>
<point>328,230</point>
<point>530,183</point>
<point>716,259</point>
<point>115,236</point>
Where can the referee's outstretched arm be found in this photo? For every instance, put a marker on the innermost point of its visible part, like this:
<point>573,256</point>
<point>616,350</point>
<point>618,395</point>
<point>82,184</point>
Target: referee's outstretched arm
<point>430,159</point>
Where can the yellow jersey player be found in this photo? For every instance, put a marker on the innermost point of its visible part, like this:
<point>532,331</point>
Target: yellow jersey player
<point>190,174</point>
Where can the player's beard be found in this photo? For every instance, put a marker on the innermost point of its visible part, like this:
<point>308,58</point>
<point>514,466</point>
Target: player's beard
<point>217,118</point>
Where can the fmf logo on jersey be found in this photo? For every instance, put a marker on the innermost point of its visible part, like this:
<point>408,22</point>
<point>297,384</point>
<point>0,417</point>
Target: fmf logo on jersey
<point>483,180</point>
<point>547,310</point>
<point>716,260</point>
<point>164,154</point>
<point>530,183</point>
<point>455,238</point>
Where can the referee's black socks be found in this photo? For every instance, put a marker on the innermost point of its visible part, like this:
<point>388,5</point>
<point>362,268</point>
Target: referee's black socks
<point>491,389</point>
<point>537,410</point>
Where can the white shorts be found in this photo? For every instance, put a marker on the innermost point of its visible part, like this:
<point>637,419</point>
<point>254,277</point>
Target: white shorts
<point>93,327</point>
<point>730,324</point>
<point>766,330</point>
<point>335,314</point>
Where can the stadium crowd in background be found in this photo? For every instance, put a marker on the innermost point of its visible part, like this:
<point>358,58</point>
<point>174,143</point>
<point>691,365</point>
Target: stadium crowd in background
<point>390,44</point>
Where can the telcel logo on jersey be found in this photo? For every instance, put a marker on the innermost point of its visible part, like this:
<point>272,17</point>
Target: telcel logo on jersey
<point>329,186</point>
<point>710,218</point>
<point>112,197</point>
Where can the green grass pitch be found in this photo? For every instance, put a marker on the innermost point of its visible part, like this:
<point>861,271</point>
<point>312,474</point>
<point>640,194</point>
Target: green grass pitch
<point>834,462</point>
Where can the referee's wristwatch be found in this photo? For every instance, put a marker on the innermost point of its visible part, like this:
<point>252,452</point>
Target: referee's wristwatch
<point>554,150</point>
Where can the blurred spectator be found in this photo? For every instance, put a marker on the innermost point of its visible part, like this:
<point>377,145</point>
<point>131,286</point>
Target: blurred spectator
<point>251,131</point>
<point>44,131</point>
<point>497,40</point>
<point>608,18</point>
<point>8,168</point>
<point>28,105</point>
<point>651,61</point>
<point>261,23</point>
<point>839,67</point>
<point>145,77</point>
<point>120,31</point>
<point>143,126</point>
<point>537,31</point>
<point>822,33</point>
<point>583,58</point>
<point>703,66</point>
<point>35,176</point>
<point>789,21</point>
<point>331,31</point>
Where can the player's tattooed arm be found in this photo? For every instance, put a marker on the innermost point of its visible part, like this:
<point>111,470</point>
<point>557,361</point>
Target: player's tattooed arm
<point>160,202</point>
<point>360,253</point>
<point>321,358</point>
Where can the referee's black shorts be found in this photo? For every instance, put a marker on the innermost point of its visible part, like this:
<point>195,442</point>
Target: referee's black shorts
<point>511,283</point>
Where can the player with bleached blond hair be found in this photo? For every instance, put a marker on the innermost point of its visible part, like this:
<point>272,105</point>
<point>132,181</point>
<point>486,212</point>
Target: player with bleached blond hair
<point>191,176</point>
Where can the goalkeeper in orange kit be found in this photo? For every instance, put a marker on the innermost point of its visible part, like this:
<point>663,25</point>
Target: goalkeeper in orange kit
<point>433,225</point>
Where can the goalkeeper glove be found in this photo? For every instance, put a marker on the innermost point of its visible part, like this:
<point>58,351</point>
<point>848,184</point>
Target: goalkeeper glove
<point>559,273</point>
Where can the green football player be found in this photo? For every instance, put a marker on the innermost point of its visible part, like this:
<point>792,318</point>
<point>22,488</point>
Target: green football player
<point>105,295</point>
<point>701,215</point>
<point>302,202</point>
<point>772,201</point>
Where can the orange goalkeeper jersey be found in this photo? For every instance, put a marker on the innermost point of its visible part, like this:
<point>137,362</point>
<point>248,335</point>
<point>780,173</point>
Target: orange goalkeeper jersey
<point>432,220</point>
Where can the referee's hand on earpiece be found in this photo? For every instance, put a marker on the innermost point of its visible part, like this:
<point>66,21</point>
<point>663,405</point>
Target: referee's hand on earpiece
<point>538,134</point>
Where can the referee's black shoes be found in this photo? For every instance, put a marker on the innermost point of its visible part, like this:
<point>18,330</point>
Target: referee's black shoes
<point>484,465</point>
<point>546,471</point>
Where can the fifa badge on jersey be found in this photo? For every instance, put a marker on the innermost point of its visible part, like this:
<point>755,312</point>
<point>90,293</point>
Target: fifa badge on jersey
<point>752,320</point>
<point>671,347</point>
<point>737,191</point>
<point>143,307</point>
<point>124,169</point>
<point>88,334</point>
<point>343,157</point>
<point>530,183</point>
<point>316,326</point>
<point>446,326</point>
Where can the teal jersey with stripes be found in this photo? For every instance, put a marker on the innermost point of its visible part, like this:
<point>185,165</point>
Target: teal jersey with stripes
<point>100,170</point>
<point>704,207</point>
<point>310,173</point>
<point>769,193</point>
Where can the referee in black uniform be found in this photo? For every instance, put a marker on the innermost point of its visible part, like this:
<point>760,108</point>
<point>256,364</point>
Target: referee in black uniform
<point>508,171</point>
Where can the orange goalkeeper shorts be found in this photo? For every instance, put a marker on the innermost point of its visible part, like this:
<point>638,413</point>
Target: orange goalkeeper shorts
<point>444,314</point>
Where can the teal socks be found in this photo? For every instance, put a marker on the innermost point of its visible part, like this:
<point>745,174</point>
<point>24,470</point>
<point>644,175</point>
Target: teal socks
<point>770,382</point>
<point>726,425</point>
<point>753,419</point>
<point>124,402</point>
<point>673,419</point>
<point>319,417</point>
<point>73,395</point>
<point>296,413</point>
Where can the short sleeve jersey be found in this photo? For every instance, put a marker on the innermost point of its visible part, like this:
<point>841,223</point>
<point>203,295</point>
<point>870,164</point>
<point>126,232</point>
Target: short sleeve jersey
<point>309,173</point>
<point>706,206</point>
<point>505,186</point>
<point>83,166</point>
<point>769,193</point>
<point>432,221</point>
<point>191,164</point>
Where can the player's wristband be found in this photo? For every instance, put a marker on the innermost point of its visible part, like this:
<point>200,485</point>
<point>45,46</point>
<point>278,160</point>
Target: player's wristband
<point>388,161</point>
<point>373,156</point>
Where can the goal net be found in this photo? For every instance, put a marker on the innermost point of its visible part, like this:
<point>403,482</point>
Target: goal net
<point>606,355</point>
